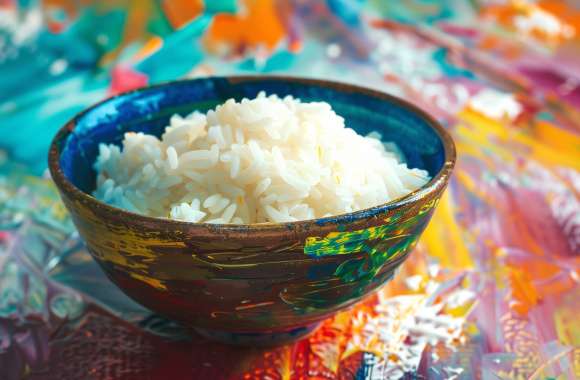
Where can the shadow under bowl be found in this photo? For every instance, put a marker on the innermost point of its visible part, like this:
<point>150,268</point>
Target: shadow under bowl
<point>259,283</point>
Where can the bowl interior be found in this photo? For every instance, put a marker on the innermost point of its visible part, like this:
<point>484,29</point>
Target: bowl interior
<point>149,110</point>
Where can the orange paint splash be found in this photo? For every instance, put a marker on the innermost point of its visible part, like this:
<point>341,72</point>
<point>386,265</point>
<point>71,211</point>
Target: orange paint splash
<point>517,13</point>
<point>523,291</point>
<point>178,13</point>
<point>259,25</point>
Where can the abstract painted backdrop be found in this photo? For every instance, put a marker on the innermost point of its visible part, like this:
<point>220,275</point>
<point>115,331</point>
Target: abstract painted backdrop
<point>492,290</point>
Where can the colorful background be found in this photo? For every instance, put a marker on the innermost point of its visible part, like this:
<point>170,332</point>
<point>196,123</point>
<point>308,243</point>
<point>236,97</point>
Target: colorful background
<point>492,290</point>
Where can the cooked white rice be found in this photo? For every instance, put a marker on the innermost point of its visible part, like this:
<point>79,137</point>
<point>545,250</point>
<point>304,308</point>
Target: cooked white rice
<point>261,160</point>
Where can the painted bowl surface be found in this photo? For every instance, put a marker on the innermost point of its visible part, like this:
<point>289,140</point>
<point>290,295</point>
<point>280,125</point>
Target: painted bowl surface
<point>245,282</point>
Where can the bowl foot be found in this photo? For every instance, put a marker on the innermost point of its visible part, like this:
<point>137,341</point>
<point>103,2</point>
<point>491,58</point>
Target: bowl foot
<point>257,339</point>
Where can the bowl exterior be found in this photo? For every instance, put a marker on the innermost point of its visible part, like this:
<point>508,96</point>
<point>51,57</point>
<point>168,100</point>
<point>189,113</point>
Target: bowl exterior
<point>264,281</point>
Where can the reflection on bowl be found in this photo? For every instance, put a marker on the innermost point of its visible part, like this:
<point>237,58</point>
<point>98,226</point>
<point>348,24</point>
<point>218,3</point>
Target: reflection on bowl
<point>260,283</point>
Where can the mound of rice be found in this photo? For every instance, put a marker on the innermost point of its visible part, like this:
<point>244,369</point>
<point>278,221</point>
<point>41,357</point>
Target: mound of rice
<point>262,160</point>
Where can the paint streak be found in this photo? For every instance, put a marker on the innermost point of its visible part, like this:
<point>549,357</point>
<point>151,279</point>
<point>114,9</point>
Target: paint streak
<point>253,306</point>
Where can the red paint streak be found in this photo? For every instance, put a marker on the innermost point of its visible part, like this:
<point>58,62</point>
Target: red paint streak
<point>4,236</point>
<point>125,78</point>
<point>458,30</point>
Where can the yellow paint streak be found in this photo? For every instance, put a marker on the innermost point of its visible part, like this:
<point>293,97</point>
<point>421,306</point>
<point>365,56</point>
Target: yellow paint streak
<point>131,252</point>
<point>157,284</point>
<point>222,265</point>
<point>461,311</point>
<point>255,305</point>
<point>486,132</point>
<point>488,125</point>
<point>470,142</point>
<point>566,322</point>
<point>443,238</point>
<point>468,182</point>
<point>345,237</point>
<point>557,138</point>
<point>150,47</point>
<point>552,156</point>
<point>286,367</point>
<point>328,343</point>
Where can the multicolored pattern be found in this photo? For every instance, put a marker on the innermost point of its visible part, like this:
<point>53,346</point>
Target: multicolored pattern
<point>491,289</point>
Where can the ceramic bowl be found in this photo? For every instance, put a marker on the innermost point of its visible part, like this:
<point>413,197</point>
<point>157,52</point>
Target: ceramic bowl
<point>258,283</point>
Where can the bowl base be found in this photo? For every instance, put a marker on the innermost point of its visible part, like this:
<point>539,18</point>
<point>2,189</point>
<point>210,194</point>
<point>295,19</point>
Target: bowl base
<point>257,339</point>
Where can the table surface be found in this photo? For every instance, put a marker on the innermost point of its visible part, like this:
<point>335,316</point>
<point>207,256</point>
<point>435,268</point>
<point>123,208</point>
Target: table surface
<point>490,292</point>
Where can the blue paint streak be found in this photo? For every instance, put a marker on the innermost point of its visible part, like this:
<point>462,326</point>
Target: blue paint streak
<point>440,56</point>
<point>180,52</point>
<point>347,11</point>
<point>280,61</point>
<point>30,114</point>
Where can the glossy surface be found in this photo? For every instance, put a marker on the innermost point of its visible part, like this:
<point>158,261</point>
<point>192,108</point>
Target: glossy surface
<point>258,278</point>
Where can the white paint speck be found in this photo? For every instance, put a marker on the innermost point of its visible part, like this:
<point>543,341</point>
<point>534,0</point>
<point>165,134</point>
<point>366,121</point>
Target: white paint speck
<point>414,282</point>
<point>496,105</point>
<point>544,22</point>
<point>58,67</point>
<point>333,51</point>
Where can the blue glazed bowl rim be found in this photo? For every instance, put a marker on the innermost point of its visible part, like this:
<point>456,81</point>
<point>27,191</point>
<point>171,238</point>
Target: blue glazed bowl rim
<point>437,182</point>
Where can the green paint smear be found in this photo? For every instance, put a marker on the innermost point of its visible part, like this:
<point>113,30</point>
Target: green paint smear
<point>365,268</point>
<point>379,244</point>
<point>343,243</point>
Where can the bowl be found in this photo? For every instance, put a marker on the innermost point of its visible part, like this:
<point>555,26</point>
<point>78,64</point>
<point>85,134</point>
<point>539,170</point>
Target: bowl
<point>258,283</point>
